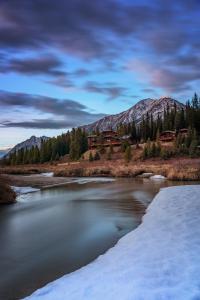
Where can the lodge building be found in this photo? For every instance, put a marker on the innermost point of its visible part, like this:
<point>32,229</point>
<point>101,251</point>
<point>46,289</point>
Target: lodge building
<point>170,135</point>
<point>105,139</point>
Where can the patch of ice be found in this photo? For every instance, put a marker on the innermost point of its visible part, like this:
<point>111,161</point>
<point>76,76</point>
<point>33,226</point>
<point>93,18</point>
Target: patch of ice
<point>47,174</point>
<point>85,180</point>
<point>145,175</point>
<point>158,260</point>
<point>24,189</point>
<point>158,177</point>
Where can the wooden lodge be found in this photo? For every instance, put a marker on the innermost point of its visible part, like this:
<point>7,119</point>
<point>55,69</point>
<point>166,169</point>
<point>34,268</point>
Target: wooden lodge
<point>167,136</point>
<point>105,139</point>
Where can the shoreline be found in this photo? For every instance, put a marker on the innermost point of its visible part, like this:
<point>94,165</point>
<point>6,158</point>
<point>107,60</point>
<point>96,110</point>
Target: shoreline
<point>113,273</point>
<point>185,169</point>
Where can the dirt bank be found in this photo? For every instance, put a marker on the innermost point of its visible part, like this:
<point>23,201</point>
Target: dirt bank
<point>7,195</point>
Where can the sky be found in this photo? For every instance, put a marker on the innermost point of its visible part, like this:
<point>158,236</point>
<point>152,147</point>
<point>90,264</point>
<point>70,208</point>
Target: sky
<point>68,63</point>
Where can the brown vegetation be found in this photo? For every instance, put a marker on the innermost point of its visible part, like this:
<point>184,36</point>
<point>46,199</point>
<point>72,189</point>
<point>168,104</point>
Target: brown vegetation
<point>7,195</point>
<point>177,168</point>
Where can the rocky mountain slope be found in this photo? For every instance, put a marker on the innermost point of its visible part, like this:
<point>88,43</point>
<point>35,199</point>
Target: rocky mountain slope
<point>29,143</point>
<point>137,112</point>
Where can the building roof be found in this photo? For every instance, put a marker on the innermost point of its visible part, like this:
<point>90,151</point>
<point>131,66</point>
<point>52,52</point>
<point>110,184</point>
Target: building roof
<point>168,131</point>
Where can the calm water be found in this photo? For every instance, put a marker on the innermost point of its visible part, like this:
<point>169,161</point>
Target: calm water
<point>56,231</point>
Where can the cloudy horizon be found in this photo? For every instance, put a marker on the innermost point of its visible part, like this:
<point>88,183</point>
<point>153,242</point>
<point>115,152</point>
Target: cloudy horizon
<point>69,63</point>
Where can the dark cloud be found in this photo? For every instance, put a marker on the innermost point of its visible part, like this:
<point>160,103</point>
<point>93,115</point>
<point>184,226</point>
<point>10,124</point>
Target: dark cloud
<point>65,111</point>
<point>86,28</point>
<point>110,90</point>
<point>103,30</point>
<point>48,65</point>
<point>40,124</point>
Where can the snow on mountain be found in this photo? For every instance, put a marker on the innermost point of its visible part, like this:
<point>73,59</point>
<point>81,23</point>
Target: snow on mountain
<point>137,112</point>
<point>3,152</point>
<point>158,260</point>
<point>29,143</point>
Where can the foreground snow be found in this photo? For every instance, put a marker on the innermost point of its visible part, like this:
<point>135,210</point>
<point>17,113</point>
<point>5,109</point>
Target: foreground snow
<point>158,260</point>
<point>24,189</point>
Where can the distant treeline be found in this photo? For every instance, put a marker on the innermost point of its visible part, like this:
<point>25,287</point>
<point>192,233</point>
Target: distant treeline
<point>74,142</point>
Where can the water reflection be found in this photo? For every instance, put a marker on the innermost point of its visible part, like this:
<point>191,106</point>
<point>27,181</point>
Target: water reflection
<point>52,232</point>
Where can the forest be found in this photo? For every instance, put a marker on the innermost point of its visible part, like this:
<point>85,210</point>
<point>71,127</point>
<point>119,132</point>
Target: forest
<point>74,142</point>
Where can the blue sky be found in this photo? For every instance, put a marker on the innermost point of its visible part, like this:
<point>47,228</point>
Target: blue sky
<point>68,63</point>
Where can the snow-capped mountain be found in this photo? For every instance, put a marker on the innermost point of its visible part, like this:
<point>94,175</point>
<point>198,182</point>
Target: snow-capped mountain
<point>3,152</point>
<point>137,112</point>
<point>29,143</point>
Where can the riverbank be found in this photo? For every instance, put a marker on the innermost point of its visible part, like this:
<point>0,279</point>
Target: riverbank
<point>159,259</point>
<point>7,195</point>
<point>58,230</point>
<point>172,169</point>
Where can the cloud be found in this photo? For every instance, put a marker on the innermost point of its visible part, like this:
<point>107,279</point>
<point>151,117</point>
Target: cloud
<point>169,78</point>
<point>106,31</point>
<point>148,90</point>
<point>40,124</point>
<point>112,91</point>
<point>96,28</point>
<point>66,113</point>
<point>48,65</point>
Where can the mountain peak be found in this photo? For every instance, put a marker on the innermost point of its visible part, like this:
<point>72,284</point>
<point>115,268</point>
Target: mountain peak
<point>33,141</point>
<point>136,112</point>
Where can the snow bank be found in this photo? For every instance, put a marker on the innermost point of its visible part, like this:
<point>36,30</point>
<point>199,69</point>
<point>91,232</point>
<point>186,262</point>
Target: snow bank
<point>158,177</point>
<point>157,261</point>
<point>24,189</point>
<point>93,179</point>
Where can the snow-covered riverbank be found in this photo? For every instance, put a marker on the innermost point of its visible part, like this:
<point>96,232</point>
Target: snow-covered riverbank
<point>158,260</point>
<point>19,190</point>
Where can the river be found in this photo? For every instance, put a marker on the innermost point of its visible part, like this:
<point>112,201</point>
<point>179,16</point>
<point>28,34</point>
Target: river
<point>52,232</point>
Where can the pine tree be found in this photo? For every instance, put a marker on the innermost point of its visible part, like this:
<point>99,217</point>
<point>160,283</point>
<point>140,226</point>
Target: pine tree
<point>91,157</point>
<point>145,152</point>
<point>128,154</point>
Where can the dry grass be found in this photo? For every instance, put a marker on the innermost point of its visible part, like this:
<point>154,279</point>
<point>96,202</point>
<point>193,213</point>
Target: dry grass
<point>182,169</point>
<point>174,169</point>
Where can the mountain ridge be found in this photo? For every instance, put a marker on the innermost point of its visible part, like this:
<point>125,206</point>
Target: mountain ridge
<point>136,112</point>
<point>33,141</point>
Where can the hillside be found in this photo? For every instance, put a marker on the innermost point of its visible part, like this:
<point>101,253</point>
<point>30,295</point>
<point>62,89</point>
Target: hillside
<point>137,112</point>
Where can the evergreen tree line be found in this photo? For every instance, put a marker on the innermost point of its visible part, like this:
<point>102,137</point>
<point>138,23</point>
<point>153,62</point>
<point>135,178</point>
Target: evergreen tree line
<point>73,143</point>
<point>183,145</point>
<point>173,119</point>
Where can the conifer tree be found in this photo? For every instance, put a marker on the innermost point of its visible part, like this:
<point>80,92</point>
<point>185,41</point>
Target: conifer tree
<point>128,154</point>
<point>91,157</point>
